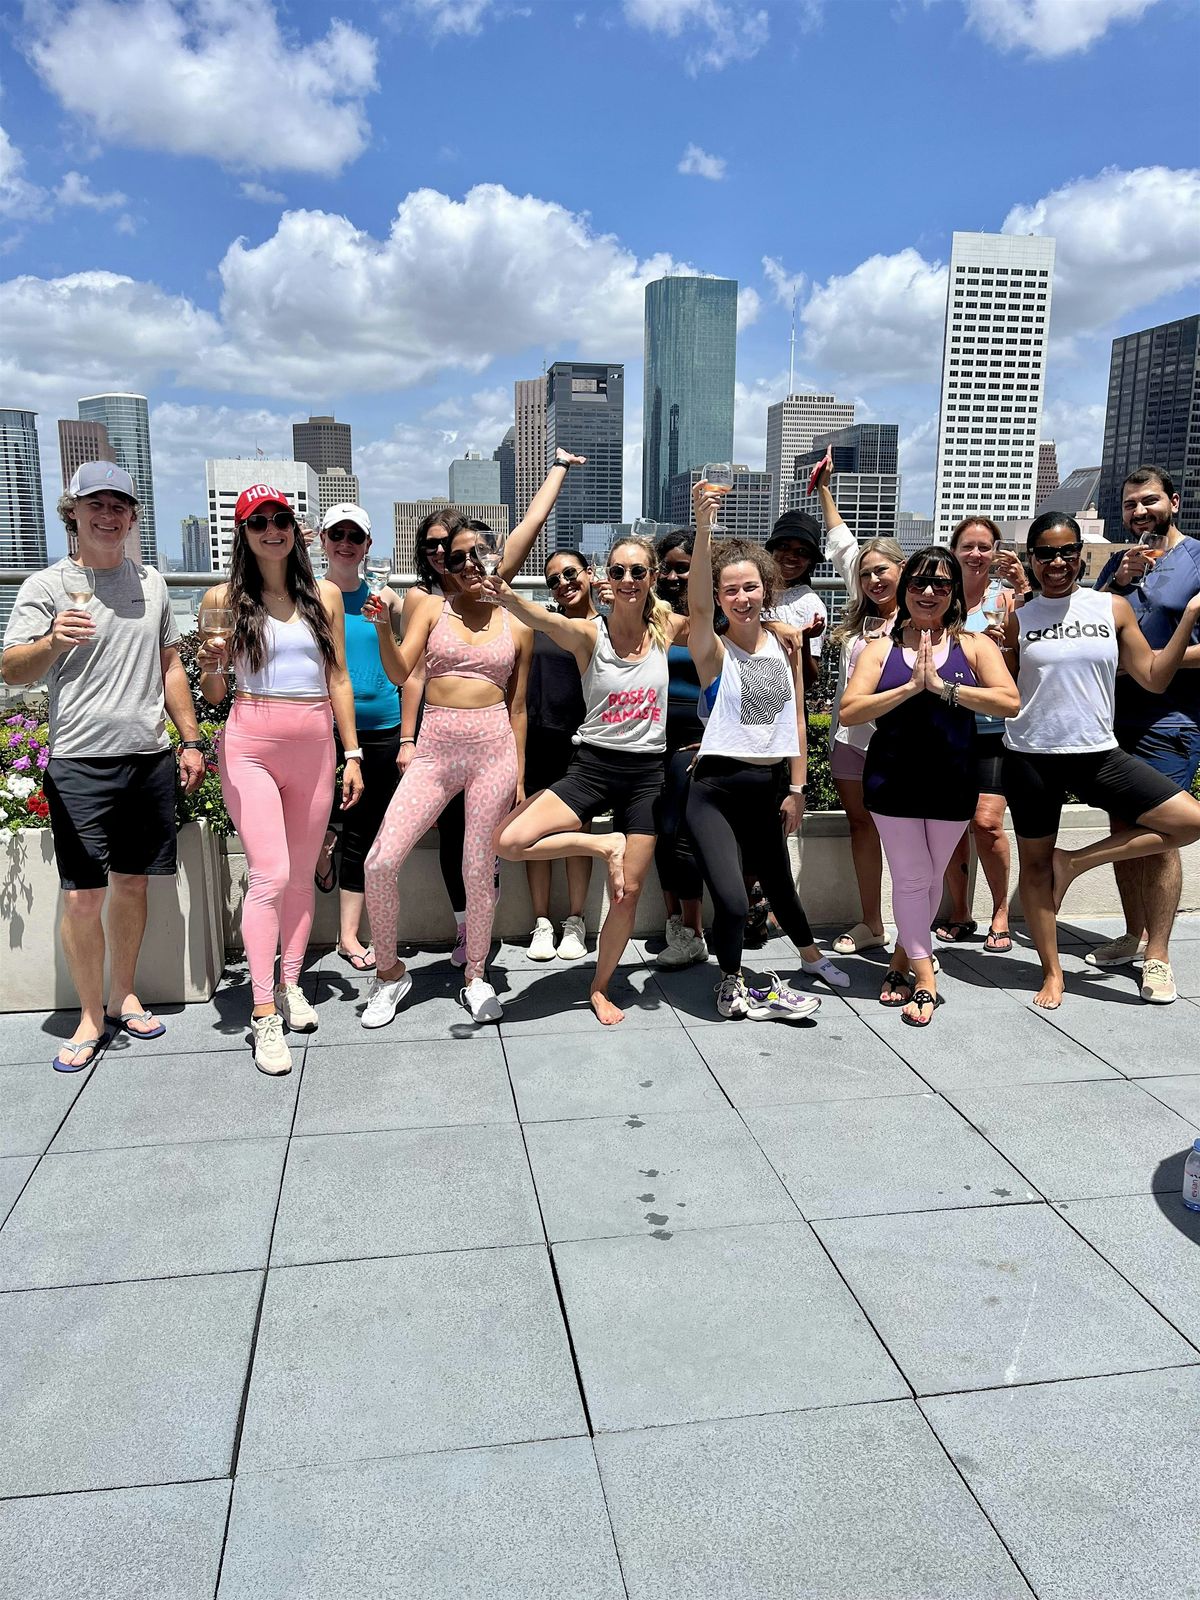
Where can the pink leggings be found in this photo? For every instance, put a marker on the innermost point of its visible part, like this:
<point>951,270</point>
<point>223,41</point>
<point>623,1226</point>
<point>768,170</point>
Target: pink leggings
<point>276,762</point>
<point>468,752</point>
<point>918,851</point>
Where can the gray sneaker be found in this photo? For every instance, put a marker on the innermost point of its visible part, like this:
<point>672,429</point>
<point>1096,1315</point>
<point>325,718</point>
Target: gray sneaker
<point>688,950</point>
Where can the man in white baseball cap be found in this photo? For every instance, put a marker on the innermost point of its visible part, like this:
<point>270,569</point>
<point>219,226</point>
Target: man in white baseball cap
<point>111,661</point>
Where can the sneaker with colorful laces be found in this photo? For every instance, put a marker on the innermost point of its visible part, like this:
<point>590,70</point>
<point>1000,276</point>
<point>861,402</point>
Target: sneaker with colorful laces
<point>1117,952</point>
<point>779,1003</point>
<point>1158,983</point>
<point>732,997</point>
<point>458,956</point>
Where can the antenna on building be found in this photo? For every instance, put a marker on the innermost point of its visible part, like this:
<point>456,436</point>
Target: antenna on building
<point>792,348</point>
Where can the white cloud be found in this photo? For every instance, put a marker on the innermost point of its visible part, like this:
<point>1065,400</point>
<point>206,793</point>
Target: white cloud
<point>750,402</point>
<point>722,31</point>
<point>185,436</point>
<point>786,285</point>
<point>749,304</point>
<point>1049,28</point>
<point>18,197</point>
<point>260,193</point>
<point>1077,430</point>
<point>443,17</point>
<point>918,462</point>
<point>194,64</point>
<point>697,163</point>
<point>127,224</point>
<point>1124,240</point>
<point>881,322</point>
<point>76,190</point>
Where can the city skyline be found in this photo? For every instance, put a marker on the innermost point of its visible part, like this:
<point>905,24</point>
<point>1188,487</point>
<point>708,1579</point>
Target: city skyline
<point>363,261</point>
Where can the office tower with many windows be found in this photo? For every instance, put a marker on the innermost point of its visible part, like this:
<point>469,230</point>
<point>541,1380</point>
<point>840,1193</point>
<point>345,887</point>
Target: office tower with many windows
<point>913,533</point>
<point>687,404</point>
<point>1047,471</point>
<point>998,299</point>
<point>197,556</point>
<point>585,414</point>
<point>337,487</point>
<point>127,418</point>
<point>1078,495</point>
<point>529,424</point>
<point>474,481</point>
<point>225,480</point>
<point>747,511</point>
<point>79,442</point>
<point>1153,418</point>
<point>865,480</point>
<point>22,517</point>
<point>506,454</point>
<point>792,426</point>
<point>322,442</point>
<point>408,515</point>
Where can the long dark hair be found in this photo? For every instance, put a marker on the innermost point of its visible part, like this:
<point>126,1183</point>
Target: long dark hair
<point>925,565</point>
<point>452,521</point>
<point>245,590</point>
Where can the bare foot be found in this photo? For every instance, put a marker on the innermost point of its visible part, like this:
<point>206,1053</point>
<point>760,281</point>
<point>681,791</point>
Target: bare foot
<point>614,855</point>
<point>604,1009</point>
<point>1049,996</point>
<point>1064,876</point>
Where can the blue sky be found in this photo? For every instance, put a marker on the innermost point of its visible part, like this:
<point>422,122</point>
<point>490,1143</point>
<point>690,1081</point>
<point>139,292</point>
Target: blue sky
<point>248,211</point>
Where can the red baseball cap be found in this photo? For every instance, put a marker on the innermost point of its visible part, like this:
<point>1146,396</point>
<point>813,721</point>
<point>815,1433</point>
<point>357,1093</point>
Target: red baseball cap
<point>255,498</point>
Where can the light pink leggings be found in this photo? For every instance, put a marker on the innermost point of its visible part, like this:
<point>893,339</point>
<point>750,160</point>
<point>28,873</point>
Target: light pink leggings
<point>918,851</point>
<point>469,751</point>
<point>276,762</point>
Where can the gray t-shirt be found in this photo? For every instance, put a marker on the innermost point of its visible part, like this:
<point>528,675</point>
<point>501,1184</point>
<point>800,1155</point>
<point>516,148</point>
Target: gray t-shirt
<point>106,697</point>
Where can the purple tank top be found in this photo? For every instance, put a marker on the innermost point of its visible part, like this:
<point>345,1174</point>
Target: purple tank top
<point>920,761</point>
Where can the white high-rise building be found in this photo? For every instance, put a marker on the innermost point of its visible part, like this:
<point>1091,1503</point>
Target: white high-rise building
<point>127,418</point>
<point>225,480</point>
<point>792,425</point>
<point>993,376</point>
<point>337,487</point>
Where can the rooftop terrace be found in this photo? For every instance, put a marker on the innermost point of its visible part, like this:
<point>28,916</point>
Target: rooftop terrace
<point>686,1310</point>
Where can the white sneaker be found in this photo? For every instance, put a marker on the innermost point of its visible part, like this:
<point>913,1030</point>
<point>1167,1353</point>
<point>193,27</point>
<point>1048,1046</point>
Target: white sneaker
<point>1117,952</point>
<point>824,969</point>
<point>295,1009</point>
<point>689,949</point>
<point>573,944</point>
<point>271,1055</point>
<point>733,999</point>
<point>1158,983</point>
<point>383,1000</point>
<point>480,1000</point>
<point>780,1003</point>
<point>541,943</point>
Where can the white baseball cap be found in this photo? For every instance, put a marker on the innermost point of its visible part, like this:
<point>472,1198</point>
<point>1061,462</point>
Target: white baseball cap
<point>346,512</point>
<point>94,477</point>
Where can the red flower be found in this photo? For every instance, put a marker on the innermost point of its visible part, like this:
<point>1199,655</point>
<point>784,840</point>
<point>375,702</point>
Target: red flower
<point>37,804</point>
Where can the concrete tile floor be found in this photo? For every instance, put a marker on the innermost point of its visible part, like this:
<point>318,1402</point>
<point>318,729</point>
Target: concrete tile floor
<point>684,1311</point>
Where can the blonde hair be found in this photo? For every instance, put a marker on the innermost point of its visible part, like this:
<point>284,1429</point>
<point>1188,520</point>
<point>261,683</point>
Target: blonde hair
<point>656,613</point>
<point>861,607</point>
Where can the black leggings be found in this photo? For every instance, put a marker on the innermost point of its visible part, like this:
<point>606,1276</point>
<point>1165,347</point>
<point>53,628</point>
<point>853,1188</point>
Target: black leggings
<point>733,818</point>
<point>358,826</point>
<point>678,871</point>
<point>452,832</point>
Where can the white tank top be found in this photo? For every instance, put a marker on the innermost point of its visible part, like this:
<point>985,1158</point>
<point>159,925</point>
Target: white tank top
<point>1067,677</point>
<point>753,715</point>
<point>294,667</point>
<point>626,700</point>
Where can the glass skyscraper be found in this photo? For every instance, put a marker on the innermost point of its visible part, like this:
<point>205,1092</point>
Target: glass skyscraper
<point>1153,418</point>
<point>585,414</point>
<point>127,418</point>
<point>690,355</point>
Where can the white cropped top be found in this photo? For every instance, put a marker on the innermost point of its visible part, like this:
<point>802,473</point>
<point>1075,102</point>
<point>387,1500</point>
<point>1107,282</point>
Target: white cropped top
<point>294,668</point>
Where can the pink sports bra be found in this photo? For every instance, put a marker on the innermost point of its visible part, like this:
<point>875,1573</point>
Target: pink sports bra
<point>448,656</point>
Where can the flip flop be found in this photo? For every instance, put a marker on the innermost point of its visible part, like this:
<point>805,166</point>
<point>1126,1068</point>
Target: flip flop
<point>363,963</point>
<point>956,932</point>
<point>922,997</point>
<point>94,1045</point>
<point>327,882</point>
<point>993,943</point>
<point>121,1024</point>
<point>898,980</point>
<point>857,938</point>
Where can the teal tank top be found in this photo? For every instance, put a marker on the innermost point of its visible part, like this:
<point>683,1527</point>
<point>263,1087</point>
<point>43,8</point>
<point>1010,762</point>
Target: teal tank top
<point>376,697</point>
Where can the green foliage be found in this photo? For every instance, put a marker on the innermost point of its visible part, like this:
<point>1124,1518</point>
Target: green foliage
<point>207,803</point>
<point>24,753</point>
<point>822,796</point>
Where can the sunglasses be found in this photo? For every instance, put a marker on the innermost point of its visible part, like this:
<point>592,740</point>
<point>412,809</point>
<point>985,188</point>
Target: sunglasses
<point>346,536</point>
<point>260,521</point>
<point>1051,552</point>
<point>673,574</point>
<point>567,575</point>
<point>456,560</point>
<point>940,586</point>
<point>637,573</point>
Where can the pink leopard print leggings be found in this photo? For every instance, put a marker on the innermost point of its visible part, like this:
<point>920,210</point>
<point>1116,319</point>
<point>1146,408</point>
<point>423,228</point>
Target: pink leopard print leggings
<point>471,751</point>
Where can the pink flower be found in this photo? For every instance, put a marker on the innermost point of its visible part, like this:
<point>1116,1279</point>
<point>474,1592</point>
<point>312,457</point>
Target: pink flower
<point>14,739</point>
<point>31,722</point>
<point>20,764</point>
<point>43,760</point>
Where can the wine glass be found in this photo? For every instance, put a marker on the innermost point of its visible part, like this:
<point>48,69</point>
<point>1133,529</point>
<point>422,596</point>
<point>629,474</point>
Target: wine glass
<point>601,589</point>
<point>309,524</point>
<point>489,549</point>
<point>216,624</point>
<point>317,558</point>
<point>378,571</point>
<point>875,628</point>
<point>995,604</point>
<point>79,583</point>
<point>718,477</point>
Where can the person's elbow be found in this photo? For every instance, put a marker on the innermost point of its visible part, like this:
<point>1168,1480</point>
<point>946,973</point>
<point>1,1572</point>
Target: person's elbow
<point>852,712</point>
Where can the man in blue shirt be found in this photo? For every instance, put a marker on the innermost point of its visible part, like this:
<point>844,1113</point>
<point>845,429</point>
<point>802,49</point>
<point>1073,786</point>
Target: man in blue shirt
<point>1158,575</point>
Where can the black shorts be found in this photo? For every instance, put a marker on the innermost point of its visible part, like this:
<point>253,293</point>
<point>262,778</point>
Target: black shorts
<point>548,754</point>
<point>628,781</point>
<point>989,760</point>
<point>112,814</point>
<point>1036,787</point>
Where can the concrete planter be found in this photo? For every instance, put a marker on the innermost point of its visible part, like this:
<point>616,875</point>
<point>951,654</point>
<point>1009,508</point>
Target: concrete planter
<point>821,857</point>
<point>184,949</point>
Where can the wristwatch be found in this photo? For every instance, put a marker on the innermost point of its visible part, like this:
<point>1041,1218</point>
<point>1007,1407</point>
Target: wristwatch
<point>192,744</point>
<point>798,788</point>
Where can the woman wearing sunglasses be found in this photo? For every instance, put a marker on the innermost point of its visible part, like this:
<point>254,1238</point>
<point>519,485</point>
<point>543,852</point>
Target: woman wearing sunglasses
<point>922,686</point>
<point>472,742</point>
<point>748,786</point>
<point>554,709</point>
<point>288,653</point>
<point>346,541</point>
<point>622,659</point>
<point>1064,647</point>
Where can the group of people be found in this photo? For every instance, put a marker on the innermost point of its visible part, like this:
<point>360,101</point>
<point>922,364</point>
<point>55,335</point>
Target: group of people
<point>670,698</point>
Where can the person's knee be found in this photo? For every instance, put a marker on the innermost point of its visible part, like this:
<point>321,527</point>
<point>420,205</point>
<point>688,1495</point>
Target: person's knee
<point>509,841</point>
<point>128,885</point>
<point>83,905</point>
